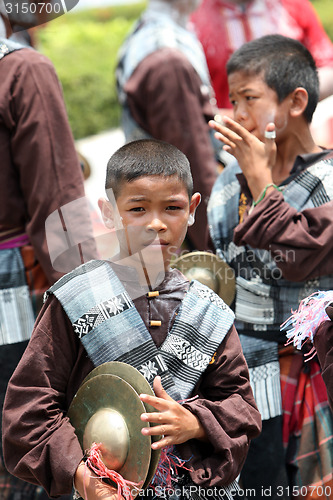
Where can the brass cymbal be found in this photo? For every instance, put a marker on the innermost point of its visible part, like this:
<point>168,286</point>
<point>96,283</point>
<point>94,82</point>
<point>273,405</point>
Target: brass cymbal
<point>107,409</point>
<point>128,373</point>
<point>209,270</point>
<point>133,377</point>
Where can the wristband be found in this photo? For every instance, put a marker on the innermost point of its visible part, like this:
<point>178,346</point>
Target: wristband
<point>263,193</point>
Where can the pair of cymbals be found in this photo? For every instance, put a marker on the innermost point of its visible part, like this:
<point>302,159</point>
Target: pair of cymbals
<point>106,410</point>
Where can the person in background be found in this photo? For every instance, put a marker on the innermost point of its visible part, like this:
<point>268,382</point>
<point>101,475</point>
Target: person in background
<point>165,91</point>
<point>40,172</point>
<point>223,26</point>
<point>270,216</point>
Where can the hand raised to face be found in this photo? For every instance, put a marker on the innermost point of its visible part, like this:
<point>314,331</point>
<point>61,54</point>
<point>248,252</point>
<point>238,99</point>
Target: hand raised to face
<point>255,157</point>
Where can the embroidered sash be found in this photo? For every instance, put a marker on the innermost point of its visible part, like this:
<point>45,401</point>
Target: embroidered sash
<point>110,328</point>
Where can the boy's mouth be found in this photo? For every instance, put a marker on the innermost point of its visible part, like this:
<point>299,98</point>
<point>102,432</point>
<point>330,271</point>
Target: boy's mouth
<point>156,242</point>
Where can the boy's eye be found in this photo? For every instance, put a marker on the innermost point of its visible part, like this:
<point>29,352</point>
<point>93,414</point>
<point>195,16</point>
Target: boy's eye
<point>173,207</point>
<point>137,209</point>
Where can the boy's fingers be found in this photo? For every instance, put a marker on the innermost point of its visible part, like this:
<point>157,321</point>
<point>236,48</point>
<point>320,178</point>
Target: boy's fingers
<point>156,430</point>
<point>159,391</point>
<point>236,128</point>
<point>161,399</point>
<point>158,403</point>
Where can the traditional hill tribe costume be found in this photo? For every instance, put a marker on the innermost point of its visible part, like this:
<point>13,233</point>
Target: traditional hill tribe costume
<point>165,91</point>
<point>195,350</point>
<point>40,172</point>
<point>281,251</point>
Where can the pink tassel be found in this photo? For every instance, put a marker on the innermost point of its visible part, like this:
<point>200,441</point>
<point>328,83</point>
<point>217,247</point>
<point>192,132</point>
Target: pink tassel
<point>306,320</point>
<point>95,463</point>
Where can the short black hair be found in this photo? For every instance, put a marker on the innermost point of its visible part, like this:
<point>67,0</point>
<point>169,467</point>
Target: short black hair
<point>147,157</point>
<point>285,64</point>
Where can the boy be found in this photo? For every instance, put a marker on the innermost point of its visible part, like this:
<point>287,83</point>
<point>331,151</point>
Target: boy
<point>271,219</point>
<point>149,185</point>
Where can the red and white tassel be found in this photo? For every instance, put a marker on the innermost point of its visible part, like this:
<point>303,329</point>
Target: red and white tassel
<point>95,463</point>
<point>305,321</point>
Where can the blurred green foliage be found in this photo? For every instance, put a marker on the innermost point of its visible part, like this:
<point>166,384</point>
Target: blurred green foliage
<point>83,47</point>
<point>324,9</point>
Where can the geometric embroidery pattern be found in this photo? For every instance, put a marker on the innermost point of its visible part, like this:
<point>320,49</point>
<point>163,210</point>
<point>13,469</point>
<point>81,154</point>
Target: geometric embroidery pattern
<point>264,372</point>
<point>184,351</point>
<point>101,313</point>
<point>153,367</point>
<point>206,293</point>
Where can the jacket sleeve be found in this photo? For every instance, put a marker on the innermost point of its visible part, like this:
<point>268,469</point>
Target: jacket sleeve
<point>300,242</point>
<point>229,415</point>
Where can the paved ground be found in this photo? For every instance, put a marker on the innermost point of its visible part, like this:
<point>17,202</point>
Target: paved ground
<point>97,149</point>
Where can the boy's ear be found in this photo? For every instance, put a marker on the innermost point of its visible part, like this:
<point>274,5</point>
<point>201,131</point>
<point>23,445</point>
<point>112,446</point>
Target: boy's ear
<point>107,212</point>
<point>299,101</point>
<point>195,201</point>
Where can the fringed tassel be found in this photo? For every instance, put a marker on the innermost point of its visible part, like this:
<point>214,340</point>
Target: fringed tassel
<point>168,468</point>
<point>95,463</point>
<point>306,320</point>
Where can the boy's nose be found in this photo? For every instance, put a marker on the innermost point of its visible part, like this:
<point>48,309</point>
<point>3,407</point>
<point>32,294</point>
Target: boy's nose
<point>240,114</point>
<point>156,224</point>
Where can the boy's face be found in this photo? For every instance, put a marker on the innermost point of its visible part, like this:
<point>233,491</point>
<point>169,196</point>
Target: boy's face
<point>255,104</point>
<point>154,213</point>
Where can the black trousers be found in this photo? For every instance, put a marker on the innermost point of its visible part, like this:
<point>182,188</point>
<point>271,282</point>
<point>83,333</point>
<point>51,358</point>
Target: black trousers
<point>264,474</point>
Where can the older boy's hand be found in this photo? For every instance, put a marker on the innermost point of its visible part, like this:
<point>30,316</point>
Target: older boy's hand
<point>175,423</point>
<point>91,487</point>
<point>255,157</point>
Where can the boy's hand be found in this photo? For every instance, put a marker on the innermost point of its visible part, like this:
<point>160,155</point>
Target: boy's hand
<point>256,158</point>
<point>92,487</point>
<point>175,423</point>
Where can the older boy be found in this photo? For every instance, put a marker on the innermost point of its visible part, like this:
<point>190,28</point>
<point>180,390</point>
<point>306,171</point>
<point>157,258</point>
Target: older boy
<point>271,219</point>
<point>150,187</point>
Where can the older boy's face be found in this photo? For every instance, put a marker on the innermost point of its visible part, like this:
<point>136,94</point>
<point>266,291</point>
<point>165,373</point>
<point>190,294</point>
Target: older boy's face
<point>255,104</point>
<point>154,212</point>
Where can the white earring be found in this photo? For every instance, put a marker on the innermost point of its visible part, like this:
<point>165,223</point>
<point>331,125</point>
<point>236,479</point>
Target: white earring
<point>191,219</point>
